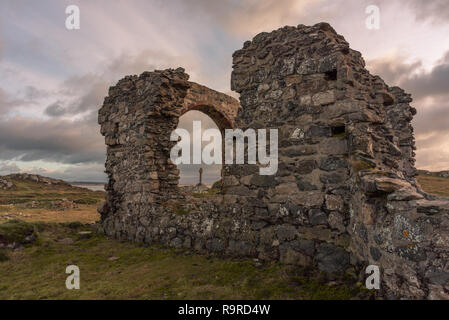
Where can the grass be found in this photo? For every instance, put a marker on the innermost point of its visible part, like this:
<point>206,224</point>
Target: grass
<point>38,272</point>
<point>32,201</point>
<point>111,269</point>
<point>180,210</point>
<point>176,207</point>
<point>15,231</point>
<point>434,185</point>
<point>209,193</point>
<point>26,191</point>
<point>3,255</point>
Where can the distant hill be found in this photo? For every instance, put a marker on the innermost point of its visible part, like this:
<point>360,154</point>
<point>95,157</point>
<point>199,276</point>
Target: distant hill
<point>8,182</point>
<point>440,174</point>
<point>36,198</point>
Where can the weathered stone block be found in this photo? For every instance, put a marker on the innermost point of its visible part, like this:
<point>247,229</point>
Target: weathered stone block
<point>332,259</point>
<point>323,98</point>
<point>263,181</point>
<point>334,203</point>
<point>334,146</point>
<point>332,164</point>
<point>317,217</point>
<point>286,232</point>
<point>287,255</point>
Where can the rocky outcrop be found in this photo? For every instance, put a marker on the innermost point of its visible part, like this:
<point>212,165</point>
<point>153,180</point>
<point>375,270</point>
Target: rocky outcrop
<point>440,174</point>
<point>6,184</point>
<point>35,178</point>
<point>344,196</point>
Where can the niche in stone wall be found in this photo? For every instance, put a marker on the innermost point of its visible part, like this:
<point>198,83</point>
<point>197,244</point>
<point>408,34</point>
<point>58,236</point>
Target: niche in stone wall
<point>331,75</point>
<point>338,131</point>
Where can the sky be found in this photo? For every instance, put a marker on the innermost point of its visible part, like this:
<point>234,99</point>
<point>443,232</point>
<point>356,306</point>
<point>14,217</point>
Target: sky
<point>54,80</point>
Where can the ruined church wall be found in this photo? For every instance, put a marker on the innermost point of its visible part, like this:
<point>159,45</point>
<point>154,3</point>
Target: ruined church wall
<point>344,195</point>
<point>258,216</point>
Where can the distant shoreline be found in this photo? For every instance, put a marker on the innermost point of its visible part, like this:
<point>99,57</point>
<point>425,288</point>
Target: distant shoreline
<point>85,182</point>
<point>94,186</point>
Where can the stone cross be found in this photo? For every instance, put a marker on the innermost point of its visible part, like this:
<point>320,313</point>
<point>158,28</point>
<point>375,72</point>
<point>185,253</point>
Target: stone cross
<point>201,176</point>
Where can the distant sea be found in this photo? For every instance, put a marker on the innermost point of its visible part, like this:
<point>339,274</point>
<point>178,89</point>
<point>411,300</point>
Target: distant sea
<point>90,186</point>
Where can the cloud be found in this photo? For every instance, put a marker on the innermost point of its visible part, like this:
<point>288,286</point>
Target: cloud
<point>85,93</point>
<point>420,83</point>
<point>433,83</point>
<point>432,134</point>
<point>55,110</point>
<point>31,93</point>
<point>249,17</point>
<point>53,140</point>
<point>433,152</point>
<point>56,83</point>
<point>393,69</point>
<point>8,103</point>
<point>433,116</point>
<point>24,99</point>
<point>434,10</point>
<point>6,168</point>
<point>86,172</point>
<point>60,138</point>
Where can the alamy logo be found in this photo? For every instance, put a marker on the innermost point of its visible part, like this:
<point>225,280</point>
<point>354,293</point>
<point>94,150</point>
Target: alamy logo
<point>373,20</point>
<point>73,280</point>
<point>72,22</point>
<point>212,152</point>
<point>373,281</point>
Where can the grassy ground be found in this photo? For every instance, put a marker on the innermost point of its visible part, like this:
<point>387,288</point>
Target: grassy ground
<point>31,201</point>
<point>434,185</point>
<point>111,269</point>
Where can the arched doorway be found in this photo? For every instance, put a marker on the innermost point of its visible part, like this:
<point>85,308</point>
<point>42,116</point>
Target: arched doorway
<point>190,173</point>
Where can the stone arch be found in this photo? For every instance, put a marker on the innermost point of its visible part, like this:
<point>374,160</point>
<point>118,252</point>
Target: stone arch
<point>210,118</point>
<point>137,119</point>
<point>220,119</point>
<point>223,109</point>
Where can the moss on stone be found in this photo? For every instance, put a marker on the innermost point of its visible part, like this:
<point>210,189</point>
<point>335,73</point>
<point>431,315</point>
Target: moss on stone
<point>339,135</point>
<point>178,209</point>
<point>217,185</point>
<point>175,207</point>
<point>209,193</point>
<point>360,165</point>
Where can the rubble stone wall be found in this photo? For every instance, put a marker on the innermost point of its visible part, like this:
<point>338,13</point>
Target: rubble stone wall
<point>344,195</point>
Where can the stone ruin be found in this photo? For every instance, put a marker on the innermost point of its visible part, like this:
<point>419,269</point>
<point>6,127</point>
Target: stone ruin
<point>344,196</point>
